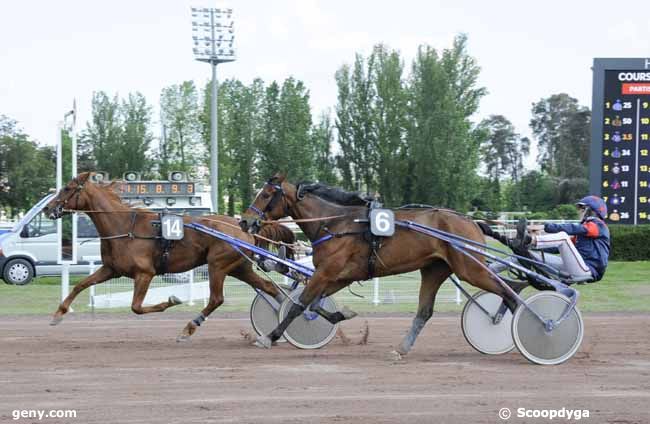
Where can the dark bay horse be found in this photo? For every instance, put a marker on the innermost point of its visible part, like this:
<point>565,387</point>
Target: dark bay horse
<point>130,247</point>
<point>343,259</point>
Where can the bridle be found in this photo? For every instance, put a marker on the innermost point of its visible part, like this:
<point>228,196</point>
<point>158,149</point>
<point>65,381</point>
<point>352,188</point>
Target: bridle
<point>278,195</point>
<point>60,205</point>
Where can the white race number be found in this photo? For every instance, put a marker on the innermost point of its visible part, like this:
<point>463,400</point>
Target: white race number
<point>172,227</point>
<point>382,222</point>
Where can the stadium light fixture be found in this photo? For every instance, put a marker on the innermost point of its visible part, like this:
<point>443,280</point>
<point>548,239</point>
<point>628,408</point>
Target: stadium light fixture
<point>213,37</point>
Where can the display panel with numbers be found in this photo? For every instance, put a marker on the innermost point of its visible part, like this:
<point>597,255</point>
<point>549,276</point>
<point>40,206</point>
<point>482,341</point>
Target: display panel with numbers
<point>620,158</point>
<point>155,188</point>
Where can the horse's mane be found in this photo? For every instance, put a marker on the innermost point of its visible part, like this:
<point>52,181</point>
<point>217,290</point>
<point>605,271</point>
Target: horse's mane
<point>107,188</point>
<point>334,195</point>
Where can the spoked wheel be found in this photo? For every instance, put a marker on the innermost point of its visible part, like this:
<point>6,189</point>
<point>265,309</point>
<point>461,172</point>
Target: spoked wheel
<point>263,315</point>
<point>479,330</point>
<point>309,330</point>
<point>547,347</point>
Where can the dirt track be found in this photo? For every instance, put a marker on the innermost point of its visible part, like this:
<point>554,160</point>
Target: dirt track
<point>128,369</point>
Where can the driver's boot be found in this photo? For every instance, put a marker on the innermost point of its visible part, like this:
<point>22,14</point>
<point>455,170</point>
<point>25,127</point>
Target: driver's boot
<point>282,253</point>
<point>522,242</point>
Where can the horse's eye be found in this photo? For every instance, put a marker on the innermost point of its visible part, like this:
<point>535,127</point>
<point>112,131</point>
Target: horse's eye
<point>265,195</point>
<point>66,189</point>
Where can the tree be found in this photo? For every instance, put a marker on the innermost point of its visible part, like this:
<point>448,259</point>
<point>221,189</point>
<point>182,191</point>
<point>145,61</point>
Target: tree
<point>322,138</point>
<point>538,192</point>
<point>240,110</point>
<point>442,142</point>
<point>136,134</point>
<point>270,147</point>
<point>180,149</point>
<point>284,144</point>
<point>26,171</point>
<point>503,150</point>
<point>502,153</point>
<point>294,129</point>
<point>118,137</point>
<point>102,138</point>
<point>345,161</point>
<point>487,195</point>
<point>356,132</point>
<point>562,129</point>
<point>389,122</point>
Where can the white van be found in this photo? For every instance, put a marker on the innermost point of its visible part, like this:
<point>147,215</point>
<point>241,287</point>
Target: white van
<point>30,248</point>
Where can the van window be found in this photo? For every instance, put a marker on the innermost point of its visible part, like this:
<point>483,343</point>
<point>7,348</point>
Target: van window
<point>39,226</point>
<point>86,228</point>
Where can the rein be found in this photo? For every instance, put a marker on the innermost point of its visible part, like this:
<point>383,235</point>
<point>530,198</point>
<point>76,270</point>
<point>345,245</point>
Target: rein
<point>131,235</point>
<point>325,218</point>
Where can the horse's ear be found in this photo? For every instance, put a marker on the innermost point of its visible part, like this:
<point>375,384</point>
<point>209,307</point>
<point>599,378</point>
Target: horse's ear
<point>83,177</point>
<point>278,178</point>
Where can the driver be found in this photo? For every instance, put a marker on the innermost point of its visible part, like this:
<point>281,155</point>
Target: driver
<point>583,248</point>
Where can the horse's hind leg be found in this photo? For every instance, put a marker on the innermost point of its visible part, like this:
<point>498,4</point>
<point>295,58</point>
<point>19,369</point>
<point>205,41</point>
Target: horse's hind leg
<point>432,278</point>
<point>140,288</point>
<point>217,278</point>
<point>102,274</point>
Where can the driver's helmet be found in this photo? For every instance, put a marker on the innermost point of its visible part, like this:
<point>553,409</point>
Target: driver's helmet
<point>596,204</point>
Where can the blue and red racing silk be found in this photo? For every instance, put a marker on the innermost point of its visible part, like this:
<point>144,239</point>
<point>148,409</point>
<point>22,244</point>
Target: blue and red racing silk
<point>591,240</point>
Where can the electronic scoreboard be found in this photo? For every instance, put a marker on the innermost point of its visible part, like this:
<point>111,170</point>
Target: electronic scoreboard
<point>619,168</point>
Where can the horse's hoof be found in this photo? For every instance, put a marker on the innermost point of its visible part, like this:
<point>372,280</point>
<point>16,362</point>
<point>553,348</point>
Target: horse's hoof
<point>263,342</point>
<point>173,301</point>
<point>348,313</point>
<point>56,320</point>
<point>182,339</point>
<point>395,356</point>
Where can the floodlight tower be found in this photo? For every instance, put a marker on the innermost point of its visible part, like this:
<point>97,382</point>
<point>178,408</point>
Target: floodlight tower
<point>213,36</point>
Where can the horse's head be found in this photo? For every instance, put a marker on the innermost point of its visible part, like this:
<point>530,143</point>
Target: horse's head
<point>272,202</point>
<point>71,197</point>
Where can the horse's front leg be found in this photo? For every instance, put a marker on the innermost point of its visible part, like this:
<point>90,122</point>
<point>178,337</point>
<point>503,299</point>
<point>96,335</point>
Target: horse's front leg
<point>140,288</point>
<point>102,274</point>
<point>314,289</point>
<point>333,317</point>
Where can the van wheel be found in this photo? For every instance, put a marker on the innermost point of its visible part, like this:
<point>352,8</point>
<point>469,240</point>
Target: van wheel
<point>18,272</point>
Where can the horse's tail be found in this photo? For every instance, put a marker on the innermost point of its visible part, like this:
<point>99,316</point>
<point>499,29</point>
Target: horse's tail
<point>279,233</point>
<point>491,233</point>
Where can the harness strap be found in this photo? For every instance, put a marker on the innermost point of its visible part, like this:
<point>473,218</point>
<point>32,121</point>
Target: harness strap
<point>323,239</point>
<point>257,211</point>
<point>375,244</point>
<point>166,246</point>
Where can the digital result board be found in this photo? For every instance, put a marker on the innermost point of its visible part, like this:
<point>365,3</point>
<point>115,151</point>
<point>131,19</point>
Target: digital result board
<point>620,150</point>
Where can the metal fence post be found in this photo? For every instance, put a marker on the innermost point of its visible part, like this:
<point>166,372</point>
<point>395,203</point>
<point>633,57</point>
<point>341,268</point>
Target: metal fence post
<point>375,291</point>
<point>191,289</point>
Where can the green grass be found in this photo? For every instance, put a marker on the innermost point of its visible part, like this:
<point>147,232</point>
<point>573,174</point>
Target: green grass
<point>626,288</point>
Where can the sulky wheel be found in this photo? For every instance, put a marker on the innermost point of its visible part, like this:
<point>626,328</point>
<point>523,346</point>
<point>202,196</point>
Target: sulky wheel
<point>309,330</point>
<point>479,330</point>
<point>536,343</point>
<point>264,315</point>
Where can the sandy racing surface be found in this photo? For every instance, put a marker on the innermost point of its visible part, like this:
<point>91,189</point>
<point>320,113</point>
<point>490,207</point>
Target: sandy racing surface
<point>129,369</point>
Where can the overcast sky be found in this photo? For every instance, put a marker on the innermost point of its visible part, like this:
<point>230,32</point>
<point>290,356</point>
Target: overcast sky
<point>54,51</point>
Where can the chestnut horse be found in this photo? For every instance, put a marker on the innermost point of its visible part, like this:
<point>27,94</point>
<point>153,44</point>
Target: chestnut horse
<point>343,258</point>
<point>131,247</point>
